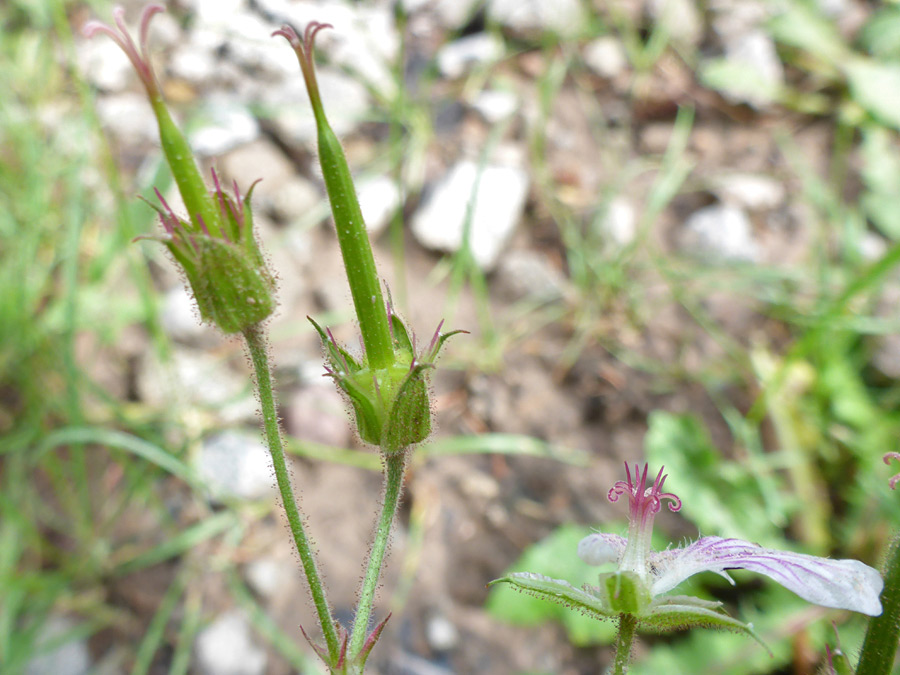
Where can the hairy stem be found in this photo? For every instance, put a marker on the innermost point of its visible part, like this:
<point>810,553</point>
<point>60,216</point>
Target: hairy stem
<point>393,481</point>
<point>624,641</point>
<point>257,344</point>
<point>880,645</point>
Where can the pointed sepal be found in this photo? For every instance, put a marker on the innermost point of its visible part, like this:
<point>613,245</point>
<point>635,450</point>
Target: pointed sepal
<point>559,591</point>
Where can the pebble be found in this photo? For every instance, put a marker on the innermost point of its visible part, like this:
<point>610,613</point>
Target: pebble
<point>192,63</point>
<point>267,576</point>
<point>441,634</point>
<point>104,64</point>
<point>528,274</point>
<point>180,317</point>
<point>235,465</point>
<point>379,199</point>
<point>606,57</point>
<point>501,192</point>
<point>128,117</point>
<point>318,413</point>
<point>756,192</point>
<point>720,233</point>
<point>295,199</point>
<point>681,19</point>
<point>345,98</point>
<point>226,647</point>
<point>457,58</point>
<point>69,658</point>
<point>564,17</point>
<point>619,224</point>
<point>755,51</point>
<point>231,124</point>
<point>496,105</point>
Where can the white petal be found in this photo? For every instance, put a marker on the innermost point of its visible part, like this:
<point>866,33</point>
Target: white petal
<point>599,548</point>
<point>842,584</point>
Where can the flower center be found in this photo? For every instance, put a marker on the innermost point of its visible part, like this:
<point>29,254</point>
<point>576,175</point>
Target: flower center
<point>644,502</point>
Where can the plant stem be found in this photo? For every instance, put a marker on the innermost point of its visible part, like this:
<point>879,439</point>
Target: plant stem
<point>393,481</point>
<point>627,624</point>
<point>258,347</point>
<point>880,645</point>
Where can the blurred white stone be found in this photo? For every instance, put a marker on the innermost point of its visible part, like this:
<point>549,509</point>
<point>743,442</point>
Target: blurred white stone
<point>318,413</point>
<point>179,316</point>
<point>680,18</point>
<point>226,647</point>
<point>196,378</point>
<point>193,63</point>
<point>872,246</point>
<point>456,58</point>
<point>346,99</point>
<point>606,56</point>
<point>526,16</point>
<point>235,465</point>
<point>495,105</point>
<point>104,64</point>
<point>128,117</point>
<point>500,193</point>
<point>755,50</point>
<point>528,274</point>
<point>69,658</point>
<point>620,223</point>
<point>294,199</point>
<point>720,233</point>
<point>441,634</point>
<point>230,124</point>
<point>756,192</point>
<point>215,11</point>
<point>379,199</point>
<point>267,576</point>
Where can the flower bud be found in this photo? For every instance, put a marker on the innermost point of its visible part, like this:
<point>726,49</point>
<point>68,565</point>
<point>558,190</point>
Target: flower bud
<point>391,404</point>
<point>215,245</point>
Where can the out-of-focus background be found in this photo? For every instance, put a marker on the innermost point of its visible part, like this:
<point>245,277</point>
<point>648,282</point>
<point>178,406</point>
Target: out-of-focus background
<point>670,227</point>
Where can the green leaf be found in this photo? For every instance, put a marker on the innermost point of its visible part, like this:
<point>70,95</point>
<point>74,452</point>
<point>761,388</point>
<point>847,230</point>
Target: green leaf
<point>560,592</point>
<point>802,27</point>
<point>876,87</point>
<point>554,556</point>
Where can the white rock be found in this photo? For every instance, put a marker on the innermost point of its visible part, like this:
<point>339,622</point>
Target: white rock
<point>756,192</point>
<point>453,14</point>
<point>458,57</point>
<point>231,124</point>
<point>267,576</point>
<point>872,246</point>
<point>606,56</point>
<point>235,465</point>
<point>755,51</point>
<point>318,413</point>
<point>495,105</point>
<point>104,64</point>
<point>525,16</point>
<point>215,11</point>
<point>295,198</point>
<point>179,316</point>
<point>620,223</point>
<point>379,199</point>
<point>69,658</point>
<point>226,647</point>
<point>193,63</point>
<point>527,274</point>
<point>193,377</point>
<point>346,99</point>
<point>441,634</point>
<point>128,117</point>
<point>260,159</point>
<point>680,18</point>
<point>500,193</point>
<point>721,233</point>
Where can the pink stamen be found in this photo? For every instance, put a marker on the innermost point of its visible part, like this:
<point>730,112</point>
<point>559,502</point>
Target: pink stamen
<point>289,34</point>
<point>644,500</point>
<point>122,38</point>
